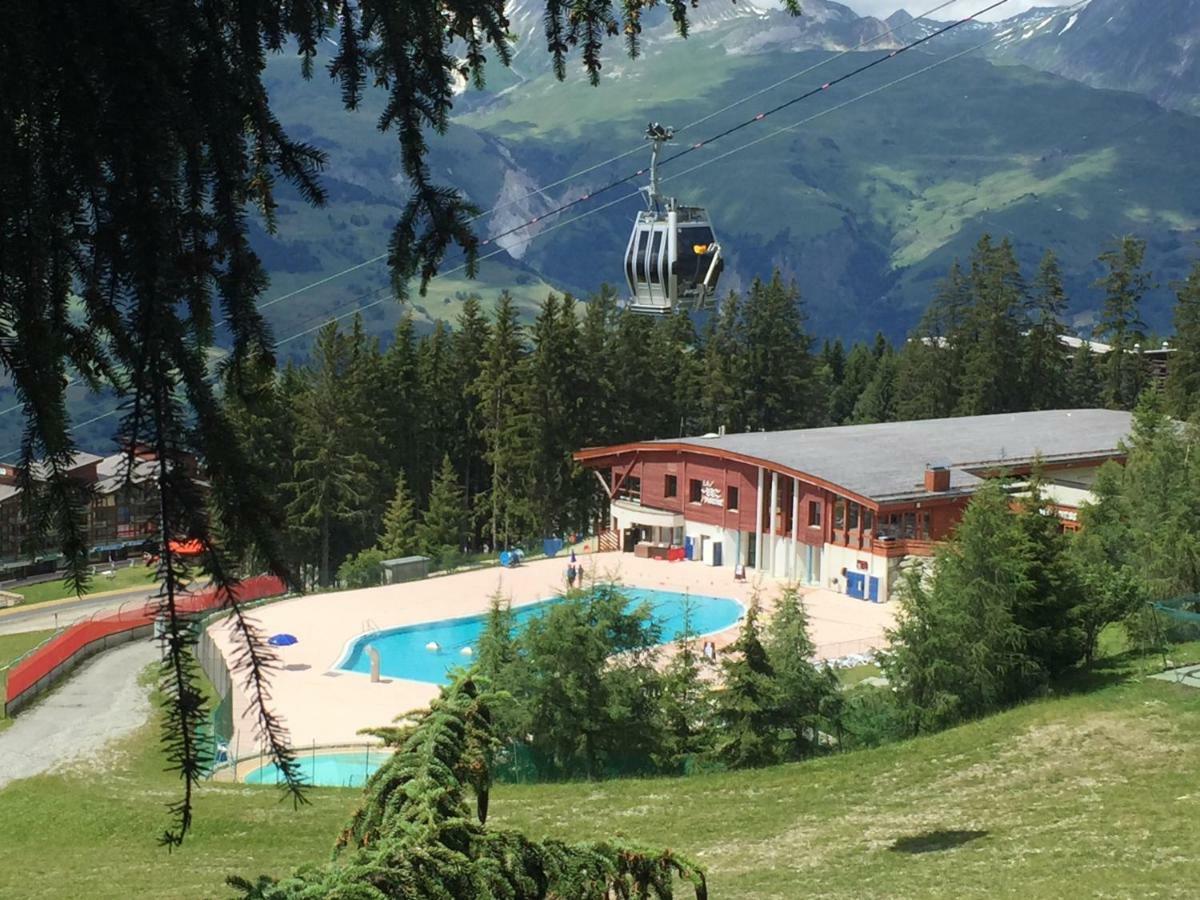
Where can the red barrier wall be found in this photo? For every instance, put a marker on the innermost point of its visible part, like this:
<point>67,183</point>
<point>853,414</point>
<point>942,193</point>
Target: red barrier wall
<point>63,647</point>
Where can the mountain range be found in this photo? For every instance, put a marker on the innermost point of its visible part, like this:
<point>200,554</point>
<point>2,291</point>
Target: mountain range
<point>1070,128</point>
<point>865,206</point>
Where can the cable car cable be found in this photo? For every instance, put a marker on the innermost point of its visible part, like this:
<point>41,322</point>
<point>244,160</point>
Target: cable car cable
<point>627,153</point>
<point>746,123</point>
<point>876,90</point>
<point>628,196</point>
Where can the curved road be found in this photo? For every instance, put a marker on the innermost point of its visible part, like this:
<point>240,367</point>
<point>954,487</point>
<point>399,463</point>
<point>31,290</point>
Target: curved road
<point>44,616</point>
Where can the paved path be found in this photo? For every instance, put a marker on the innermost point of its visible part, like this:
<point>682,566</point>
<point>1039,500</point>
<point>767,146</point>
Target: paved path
<point>43,616</point>
<point>100,702</point>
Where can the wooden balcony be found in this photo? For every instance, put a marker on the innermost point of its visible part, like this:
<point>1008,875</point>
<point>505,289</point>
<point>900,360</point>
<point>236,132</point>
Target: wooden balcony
<point>896,547</point>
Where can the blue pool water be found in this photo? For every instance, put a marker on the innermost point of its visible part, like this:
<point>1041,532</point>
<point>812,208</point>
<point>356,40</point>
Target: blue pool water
<point>349,769</point>
<point>402,652</point>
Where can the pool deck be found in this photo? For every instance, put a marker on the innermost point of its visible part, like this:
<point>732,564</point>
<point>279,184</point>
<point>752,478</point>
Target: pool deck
<point>324,706</point>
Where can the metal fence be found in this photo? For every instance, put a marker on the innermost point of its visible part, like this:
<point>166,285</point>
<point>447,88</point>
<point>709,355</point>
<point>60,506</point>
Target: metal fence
<point>42,667</point>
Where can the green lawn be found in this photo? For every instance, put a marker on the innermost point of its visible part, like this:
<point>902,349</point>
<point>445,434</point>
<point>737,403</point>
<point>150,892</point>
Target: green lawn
<point>1092,794</point>
<point>131,577</point>
<point>11,647</point>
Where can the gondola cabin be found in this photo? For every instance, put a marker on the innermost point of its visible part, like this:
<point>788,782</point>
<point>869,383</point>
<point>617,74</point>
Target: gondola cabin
<point>672,260</point>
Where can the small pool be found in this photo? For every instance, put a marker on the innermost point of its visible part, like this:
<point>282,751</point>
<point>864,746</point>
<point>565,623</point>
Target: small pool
<point>402,652</point>
<point>349,768</point>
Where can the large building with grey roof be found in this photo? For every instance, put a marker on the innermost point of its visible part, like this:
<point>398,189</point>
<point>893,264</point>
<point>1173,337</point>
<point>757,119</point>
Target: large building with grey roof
<point>839,507</point>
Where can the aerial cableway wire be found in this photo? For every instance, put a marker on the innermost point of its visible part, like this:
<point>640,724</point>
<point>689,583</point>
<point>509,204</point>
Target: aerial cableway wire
<point>633,194</point>
<point>540,191</point>
<point>334,276</point>
<point>383,295</point>
<point>746,123</point>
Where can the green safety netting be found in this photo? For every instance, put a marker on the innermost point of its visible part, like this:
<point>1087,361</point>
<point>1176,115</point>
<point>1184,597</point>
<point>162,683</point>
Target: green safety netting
<point>1181,616</point>
<point>1183,609</point>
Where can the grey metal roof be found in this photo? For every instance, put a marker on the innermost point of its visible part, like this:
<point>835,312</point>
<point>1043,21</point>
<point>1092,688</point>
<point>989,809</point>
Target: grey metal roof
<point>887,461</point>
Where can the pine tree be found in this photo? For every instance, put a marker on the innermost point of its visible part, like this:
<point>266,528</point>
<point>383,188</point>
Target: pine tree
<point>723,390</point>
<point>880,346</point>
<point>499,392</point>
<point>748,704</point>
<point>595,365</point>
<point>416,835</point>
<point>399,405</point>
<point>591,688</point>
<point>262,421</point>
<point>1121,324</point>
<point>1050,616</point>
<point>780,381</point>
<point>930,364</point>
<point>469,347</point>
<point>1183,379</point>
<point>444,526</point>
<point>833,360</point>
<point>686,705</point>
<point>879,399</point>
<point>1102,552</point>
<point>552,399</point>
<point>638,408</point>
<point>1083,379</point>
<point>990,338</point>
<point>1046,361</point>
<point>957,650</point>
<point>859,370</point>
<point>674,342</point>
<point>331,478</point>
<point>439,396</point>
<point>399,536</point>
<point>802,690</point>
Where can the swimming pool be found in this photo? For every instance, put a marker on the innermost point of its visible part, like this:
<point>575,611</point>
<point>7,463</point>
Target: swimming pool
<point>349,768</point>
<point>402,652</point>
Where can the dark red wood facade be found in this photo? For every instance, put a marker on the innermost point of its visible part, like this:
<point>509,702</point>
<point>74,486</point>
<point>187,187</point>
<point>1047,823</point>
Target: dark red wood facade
<point>826,514</point>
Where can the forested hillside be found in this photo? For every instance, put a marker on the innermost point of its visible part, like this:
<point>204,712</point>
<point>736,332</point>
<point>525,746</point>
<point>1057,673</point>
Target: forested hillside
<point>463,437</point>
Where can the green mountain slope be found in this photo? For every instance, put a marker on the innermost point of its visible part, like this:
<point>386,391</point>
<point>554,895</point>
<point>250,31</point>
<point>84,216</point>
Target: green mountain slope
<point>867,206</point>
<point>864,207</point>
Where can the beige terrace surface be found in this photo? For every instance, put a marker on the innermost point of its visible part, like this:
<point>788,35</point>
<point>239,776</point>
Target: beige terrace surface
<point>325,706</point>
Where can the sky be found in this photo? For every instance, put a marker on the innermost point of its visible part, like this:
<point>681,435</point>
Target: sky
<point>884,8</point>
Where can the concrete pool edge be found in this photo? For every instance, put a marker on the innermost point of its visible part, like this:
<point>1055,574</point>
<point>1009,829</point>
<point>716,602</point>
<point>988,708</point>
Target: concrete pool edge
<point>352,642</point>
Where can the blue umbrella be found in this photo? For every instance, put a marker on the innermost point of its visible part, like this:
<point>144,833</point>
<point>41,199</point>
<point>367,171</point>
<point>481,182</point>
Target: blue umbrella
<point>282,640</point>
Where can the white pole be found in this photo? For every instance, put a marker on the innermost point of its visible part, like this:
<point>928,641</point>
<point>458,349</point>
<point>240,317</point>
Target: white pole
<point>771,516</point>
<point>793,556</point>
<point>758,529</point>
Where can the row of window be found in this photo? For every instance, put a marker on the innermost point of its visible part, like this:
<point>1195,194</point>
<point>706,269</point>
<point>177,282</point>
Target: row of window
<point>847,515</point>
<point>696,493</point>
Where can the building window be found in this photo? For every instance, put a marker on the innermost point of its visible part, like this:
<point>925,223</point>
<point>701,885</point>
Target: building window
<point>854,517</point>
<point>695,490</point>
<point>631,489</point>
<point>814,513</point>
<point>868,519</point>
<point>732,494</point>
<point>839,513</point>
<point>670,486</point>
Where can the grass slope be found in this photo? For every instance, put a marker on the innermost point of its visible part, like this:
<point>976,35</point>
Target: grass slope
<point>128,577</point>
<point>1090,794</point>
